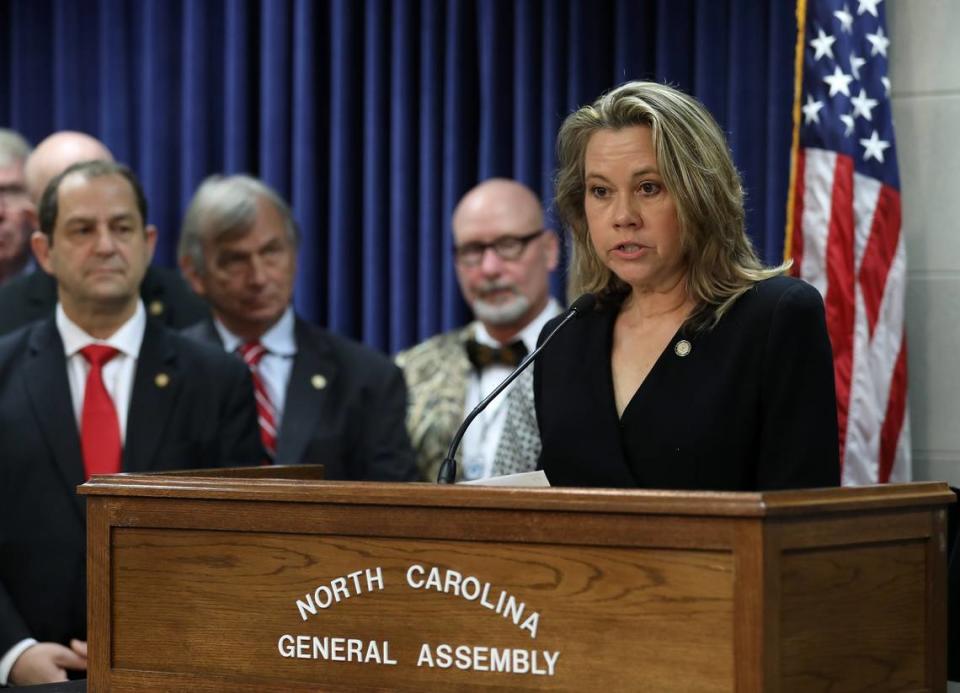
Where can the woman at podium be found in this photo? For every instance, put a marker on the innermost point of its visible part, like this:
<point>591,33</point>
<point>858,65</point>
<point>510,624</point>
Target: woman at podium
<point>698,368</point>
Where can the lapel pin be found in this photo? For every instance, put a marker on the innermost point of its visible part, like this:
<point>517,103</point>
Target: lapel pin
<point>318,382</point>
<point>682,348</point>
<point>156,308</point>
<point>162,380</point>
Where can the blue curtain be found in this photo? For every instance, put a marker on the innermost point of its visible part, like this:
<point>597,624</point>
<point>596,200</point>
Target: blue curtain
<point>373,117</point>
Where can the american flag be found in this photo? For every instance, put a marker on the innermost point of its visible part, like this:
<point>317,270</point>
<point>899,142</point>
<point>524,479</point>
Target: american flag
<point>843,229</point>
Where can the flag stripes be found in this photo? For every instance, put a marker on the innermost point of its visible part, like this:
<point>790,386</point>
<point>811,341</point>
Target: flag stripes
<point>844,227</point>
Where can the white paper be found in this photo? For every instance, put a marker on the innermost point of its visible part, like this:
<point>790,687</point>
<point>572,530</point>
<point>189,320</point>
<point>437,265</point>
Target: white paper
<point>531,479</point>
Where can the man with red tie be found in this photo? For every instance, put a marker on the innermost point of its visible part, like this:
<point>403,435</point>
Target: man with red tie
<point>96,389</point>
<point>321,398</point>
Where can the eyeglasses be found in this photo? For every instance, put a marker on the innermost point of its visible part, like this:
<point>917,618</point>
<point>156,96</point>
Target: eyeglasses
<point>506,248</point>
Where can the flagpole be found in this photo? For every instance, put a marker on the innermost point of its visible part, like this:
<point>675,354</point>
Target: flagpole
<point>794,148</point>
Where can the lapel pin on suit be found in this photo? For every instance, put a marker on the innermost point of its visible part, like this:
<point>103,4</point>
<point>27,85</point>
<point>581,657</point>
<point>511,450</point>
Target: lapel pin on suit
<point>318,381</point>
<point>682,348</point>
<point>156,309</point>
<point>161,380</point>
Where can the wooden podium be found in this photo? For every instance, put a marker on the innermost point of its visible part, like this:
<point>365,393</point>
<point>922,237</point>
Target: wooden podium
<point>233,583</point>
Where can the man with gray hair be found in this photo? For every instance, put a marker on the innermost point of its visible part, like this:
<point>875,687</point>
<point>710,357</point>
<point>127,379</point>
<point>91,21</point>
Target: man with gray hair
<point>321,398</point>
<point>33,296</point>
<point>503,257</point>
<point>18,216</point>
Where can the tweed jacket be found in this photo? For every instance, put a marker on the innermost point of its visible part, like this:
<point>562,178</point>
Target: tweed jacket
<point>437,372</point>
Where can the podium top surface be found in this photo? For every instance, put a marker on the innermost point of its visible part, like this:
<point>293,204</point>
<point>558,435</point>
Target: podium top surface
<point>301,484</point>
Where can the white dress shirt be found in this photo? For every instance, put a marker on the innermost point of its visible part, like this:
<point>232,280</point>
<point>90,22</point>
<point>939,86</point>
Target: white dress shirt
<point>483,436</point>
<point>118,375</point>
<point>277,364</point>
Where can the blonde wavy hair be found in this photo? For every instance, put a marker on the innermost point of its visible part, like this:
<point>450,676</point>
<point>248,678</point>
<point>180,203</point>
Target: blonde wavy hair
<point>698,172</point>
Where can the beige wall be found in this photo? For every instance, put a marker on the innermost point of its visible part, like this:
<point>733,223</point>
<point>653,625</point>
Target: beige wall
<point>925,76</point>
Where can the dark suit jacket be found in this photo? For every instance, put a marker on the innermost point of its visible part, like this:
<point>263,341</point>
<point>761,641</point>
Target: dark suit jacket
<point>203,416</point>
<point>354,424</point>
<point>752,406</point>
<point>165,295</point>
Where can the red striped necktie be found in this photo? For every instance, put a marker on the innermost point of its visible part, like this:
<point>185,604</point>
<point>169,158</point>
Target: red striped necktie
<point>99,426</point>
<point>252,353</point>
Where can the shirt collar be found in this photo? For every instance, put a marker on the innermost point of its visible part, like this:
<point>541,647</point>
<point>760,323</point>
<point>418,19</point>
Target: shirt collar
<point>528,334</point>
<point>127,339</point>
<point>278,340</point>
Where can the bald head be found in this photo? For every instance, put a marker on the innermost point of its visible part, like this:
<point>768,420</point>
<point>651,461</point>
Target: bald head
<point>57,153</point>
<point>503,203</point>
<point>505,287</point>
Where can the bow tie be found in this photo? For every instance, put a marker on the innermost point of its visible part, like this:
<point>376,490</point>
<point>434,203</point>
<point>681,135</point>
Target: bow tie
<point>482,356</point>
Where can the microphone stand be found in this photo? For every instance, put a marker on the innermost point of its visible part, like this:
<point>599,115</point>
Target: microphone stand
<point>448,469</point>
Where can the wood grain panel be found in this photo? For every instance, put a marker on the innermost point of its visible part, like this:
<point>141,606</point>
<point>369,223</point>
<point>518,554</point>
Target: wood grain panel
<point>217,602</point>
<point>854,619</point>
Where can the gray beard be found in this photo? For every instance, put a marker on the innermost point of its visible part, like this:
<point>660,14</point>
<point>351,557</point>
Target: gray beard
<point>501,314</point>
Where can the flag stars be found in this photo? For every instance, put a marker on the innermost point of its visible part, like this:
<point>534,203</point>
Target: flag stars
<point>822,45</point>
<point>863,105</point>
<point>878,42</point>
<point>886,85</point>
<point>839,82</point>
<point>847,119</point>
<point>811,110</point>
<point>856,62</point>
<point>846,19</point>
<point>873,147</point>
<point>868,6</point>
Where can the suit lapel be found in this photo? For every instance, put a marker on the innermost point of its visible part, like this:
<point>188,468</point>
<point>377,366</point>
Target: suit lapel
<point>313,376</point>
<point>597,349</point>
<point>447,399</point>
<point>599,346</point>
<point>306,394</point>
<point>204,331</point>
<point>155,386</point>
<point>45,373</point>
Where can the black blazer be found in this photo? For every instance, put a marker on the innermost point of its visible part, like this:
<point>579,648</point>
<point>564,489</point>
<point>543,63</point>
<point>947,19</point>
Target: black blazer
<point>202,414</point>
<point>352,419</point>
<point>752,406</point>
<point>165,295</point>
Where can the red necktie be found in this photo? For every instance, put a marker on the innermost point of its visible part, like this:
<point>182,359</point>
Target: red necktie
<point>252,353</point>
<point>99,426</point>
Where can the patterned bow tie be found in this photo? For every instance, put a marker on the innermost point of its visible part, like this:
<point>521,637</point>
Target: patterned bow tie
<point>482,356</point>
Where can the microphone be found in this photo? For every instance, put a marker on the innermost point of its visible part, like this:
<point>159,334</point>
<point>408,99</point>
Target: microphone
<point>448,470</point>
